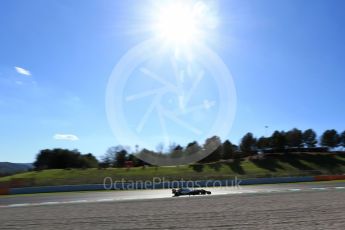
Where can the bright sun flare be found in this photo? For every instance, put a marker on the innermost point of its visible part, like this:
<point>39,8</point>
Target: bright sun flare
<point>180,22</point>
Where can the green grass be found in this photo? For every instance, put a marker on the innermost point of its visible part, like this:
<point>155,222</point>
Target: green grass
<point>276,165</point>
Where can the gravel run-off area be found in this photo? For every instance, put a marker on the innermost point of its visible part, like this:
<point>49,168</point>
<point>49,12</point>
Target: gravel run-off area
<point>287,210</point>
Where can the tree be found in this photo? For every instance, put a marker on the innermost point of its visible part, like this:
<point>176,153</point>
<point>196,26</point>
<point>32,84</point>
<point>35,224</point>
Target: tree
<point>136,161</point>
<point>43,159</point>
<point>248,143</point>
<point>193,148</point>
<point>263,143</point>
<point>63,158</point>
<point>342,139</point>
<point>120,158</point>
<point>149,156</point>
<point>278,140</point>
<point>108,159</point>
<point>213,146</point>
<point>309,138</point>
<point>115,156</point>
<point>330,138</point>
<point>294,138</point>
<point>228,150</point>
<point>89,161</point>
<point>176,151</point>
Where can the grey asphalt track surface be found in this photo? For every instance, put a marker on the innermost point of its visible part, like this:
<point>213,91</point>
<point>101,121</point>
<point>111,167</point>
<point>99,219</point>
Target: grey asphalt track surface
<point>281,206</point>
<point>108,196</point>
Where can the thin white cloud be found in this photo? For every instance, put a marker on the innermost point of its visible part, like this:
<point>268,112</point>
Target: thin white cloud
<point>65,137</point>
<point>22,71</point>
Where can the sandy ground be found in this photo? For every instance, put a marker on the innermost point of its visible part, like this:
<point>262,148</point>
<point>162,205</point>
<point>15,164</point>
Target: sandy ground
<point>288,210</point>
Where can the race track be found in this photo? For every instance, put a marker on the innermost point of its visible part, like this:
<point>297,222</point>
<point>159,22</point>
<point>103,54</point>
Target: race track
<point>284,206</point>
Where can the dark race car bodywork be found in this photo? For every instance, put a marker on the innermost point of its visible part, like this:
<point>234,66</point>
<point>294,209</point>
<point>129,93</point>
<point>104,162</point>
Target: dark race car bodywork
<point>189,192</point>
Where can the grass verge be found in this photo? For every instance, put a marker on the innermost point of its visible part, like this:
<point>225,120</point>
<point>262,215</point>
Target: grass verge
<point>275,165</point>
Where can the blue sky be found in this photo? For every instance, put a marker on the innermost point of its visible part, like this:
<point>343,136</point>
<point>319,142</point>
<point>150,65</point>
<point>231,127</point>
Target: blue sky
<point>286,58</point>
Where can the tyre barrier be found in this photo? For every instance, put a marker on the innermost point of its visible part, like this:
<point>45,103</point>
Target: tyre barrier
<point>4,191</point>
<point>329,177</point>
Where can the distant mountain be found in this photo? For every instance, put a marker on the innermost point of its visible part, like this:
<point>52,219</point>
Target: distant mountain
<point>7,168</point>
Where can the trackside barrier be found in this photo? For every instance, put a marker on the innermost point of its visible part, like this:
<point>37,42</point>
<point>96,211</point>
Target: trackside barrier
<point>213,183</point>
<point>277,180</point>
<point>4,189</point>
<point>329,177</point>
<point>158,185</point>
<point>63,188</point>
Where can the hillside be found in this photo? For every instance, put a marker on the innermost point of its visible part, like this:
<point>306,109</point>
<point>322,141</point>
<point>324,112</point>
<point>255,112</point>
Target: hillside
<point>7,168</point>
<point>269,166</point>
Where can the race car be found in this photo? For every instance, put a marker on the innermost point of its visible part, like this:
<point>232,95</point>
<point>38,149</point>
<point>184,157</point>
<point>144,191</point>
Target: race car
<point>189,192</point>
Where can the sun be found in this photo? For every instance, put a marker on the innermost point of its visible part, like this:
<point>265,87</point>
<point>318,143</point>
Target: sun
<point>177,23</point>
<point>180,22</point>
